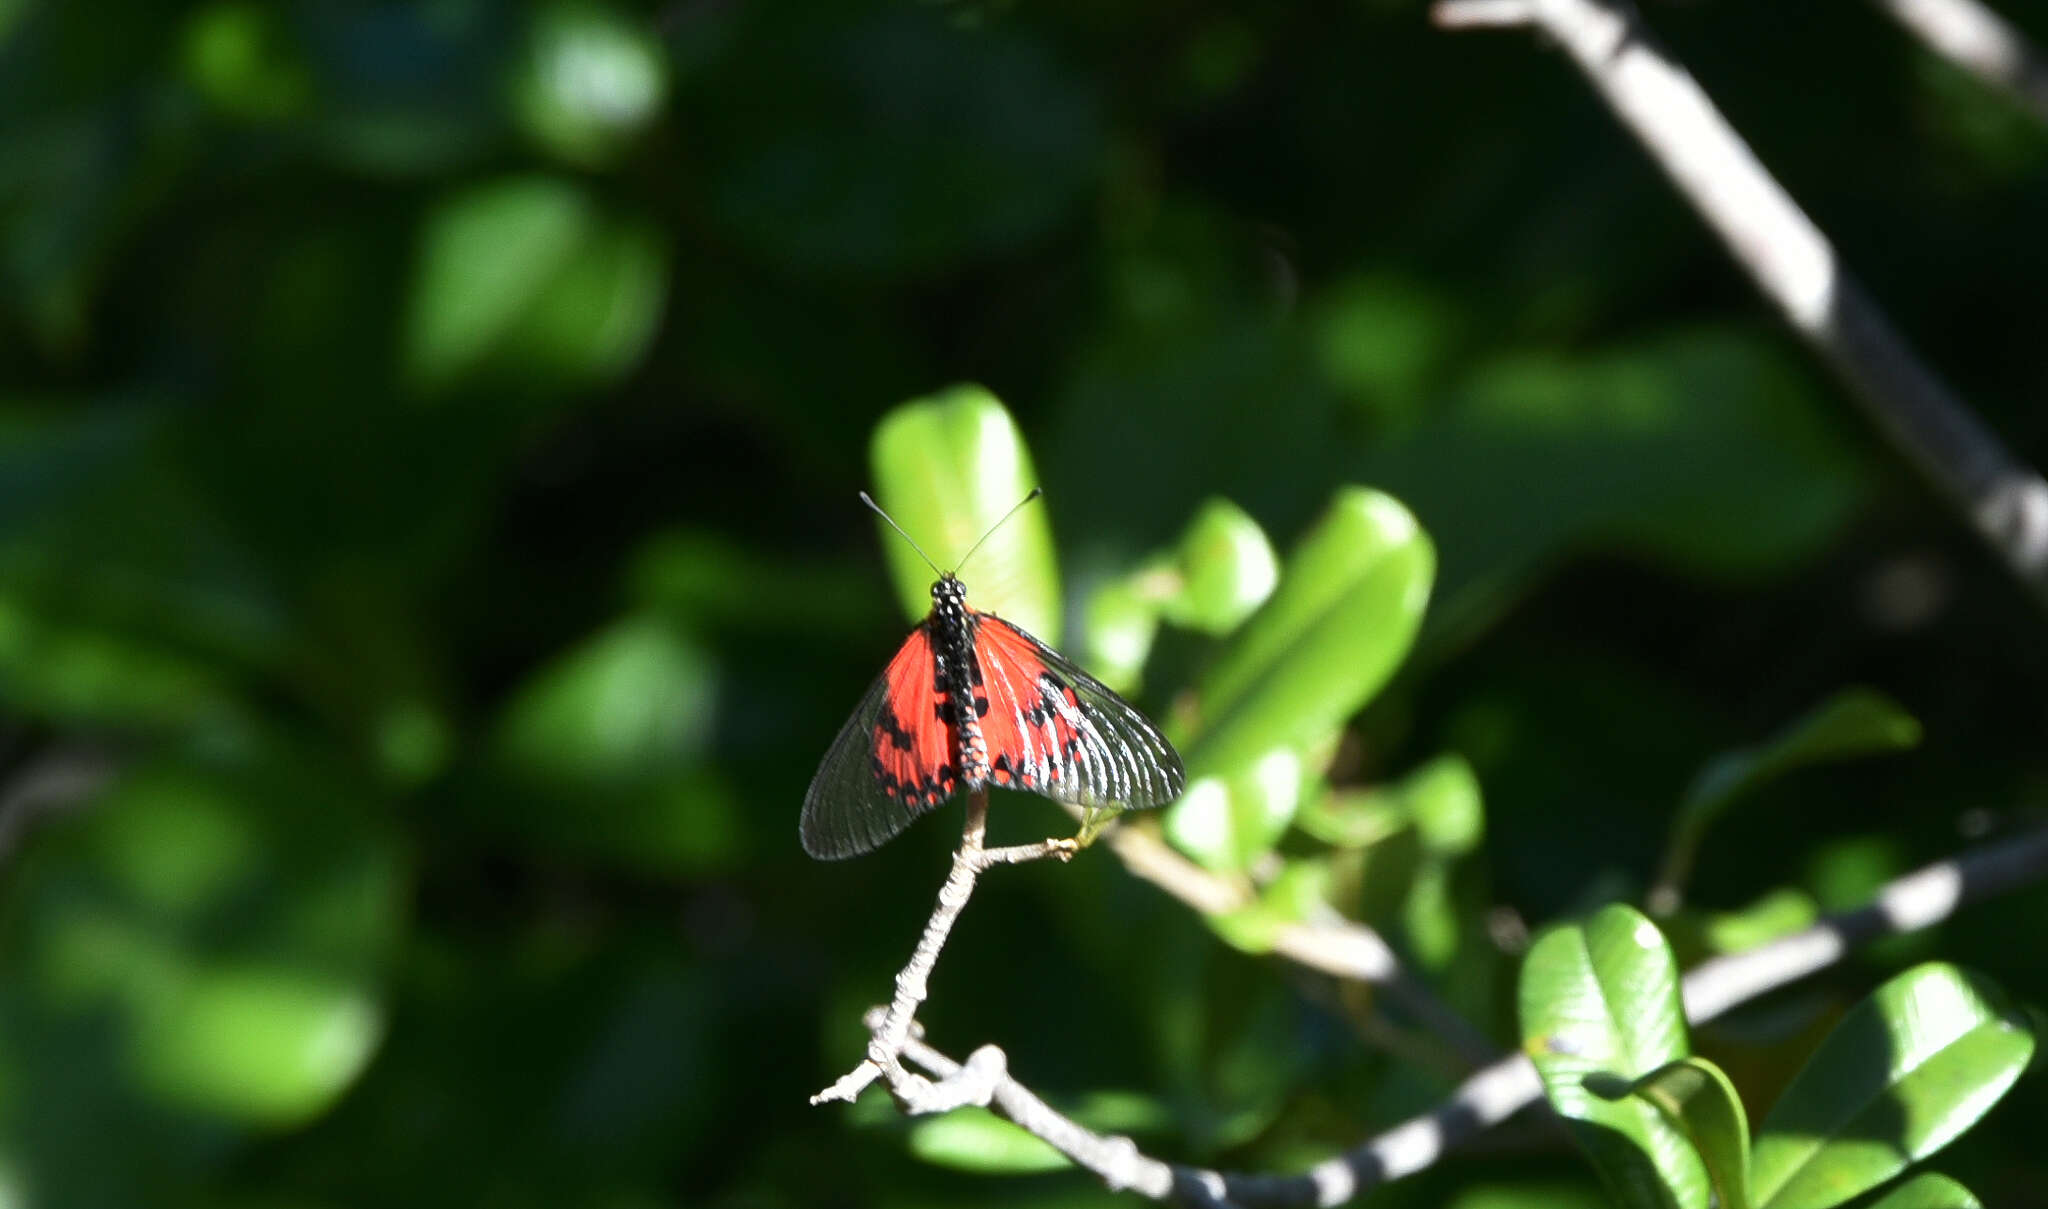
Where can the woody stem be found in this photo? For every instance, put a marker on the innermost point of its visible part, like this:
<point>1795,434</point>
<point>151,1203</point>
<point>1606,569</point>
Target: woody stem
<point>892,1032</point>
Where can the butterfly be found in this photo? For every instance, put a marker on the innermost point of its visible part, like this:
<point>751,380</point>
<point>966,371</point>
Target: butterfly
<point>971,700</point>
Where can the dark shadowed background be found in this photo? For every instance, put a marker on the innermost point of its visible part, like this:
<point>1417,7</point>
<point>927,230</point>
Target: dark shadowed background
<point>430,566</point>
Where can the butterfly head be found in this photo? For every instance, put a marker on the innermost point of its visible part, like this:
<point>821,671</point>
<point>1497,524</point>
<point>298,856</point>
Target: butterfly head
<point>949,596</point>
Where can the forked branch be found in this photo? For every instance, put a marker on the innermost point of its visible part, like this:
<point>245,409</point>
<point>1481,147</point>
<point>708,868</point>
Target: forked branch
<point>1918,900</point>
<point>888,1034</point>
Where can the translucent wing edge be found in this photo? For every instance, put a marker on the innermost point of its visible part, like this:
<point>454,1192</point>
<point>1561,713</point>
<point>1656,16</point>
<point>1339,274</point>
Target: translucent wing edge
<point>1125,762</point>
<point>845,811</point>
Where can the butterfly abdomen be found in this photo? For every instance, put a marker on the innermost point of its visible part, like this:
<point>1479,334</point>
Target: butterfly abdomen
<point>963,700</point>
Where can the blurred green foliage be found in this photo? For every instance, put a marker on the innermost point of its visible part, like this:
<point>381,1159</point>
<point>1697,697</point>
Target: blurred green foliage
<point>430,568</point>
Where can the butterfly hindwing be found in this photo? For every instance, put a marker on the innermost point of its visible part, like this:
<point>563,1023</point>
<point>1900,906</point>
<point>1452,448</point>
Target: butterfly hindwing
<point>891,763</point>
<point>1055,730</point>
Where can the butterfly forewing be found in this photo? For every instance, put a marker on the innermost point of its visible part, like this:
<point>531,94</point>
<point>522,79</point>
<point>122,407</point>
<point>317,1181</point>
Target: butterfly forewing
<point>891,763</point>
<point>1055,730</point>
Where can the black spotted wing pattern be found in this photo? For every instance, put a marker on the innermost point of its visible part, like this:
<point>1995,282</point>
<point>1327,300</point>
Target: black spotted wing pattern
<point>892,763</point>
<point>1055,730</point>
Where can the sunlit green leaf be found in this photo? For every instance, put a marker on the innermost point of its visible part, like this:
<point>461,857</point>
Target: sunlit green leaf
<point>1354,818</point>
<point>1908,1069</point>
<point>485,256</point>
<point>1927,1190</point>
<point>232,921</point>
<point>1121,625</point>
<point>1225,568</point>
<point>975,1139</point>
<point>1346,610</point>
<point>1227,823</point>
<point>1292,897</point>
<point>635,699</point>
<point>593,78</point>
<point>1779,913</point>
<point>599,311</point>
<point>522,281</point>
<point>1599,1002</point>
<point>948,467</point>
<point>1696,1097</point>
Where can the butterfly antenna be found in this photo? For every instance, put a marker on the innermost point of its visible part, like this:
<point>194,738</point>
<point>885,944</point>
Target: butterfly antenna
<point>1035,493</point>
<point>864,498</point>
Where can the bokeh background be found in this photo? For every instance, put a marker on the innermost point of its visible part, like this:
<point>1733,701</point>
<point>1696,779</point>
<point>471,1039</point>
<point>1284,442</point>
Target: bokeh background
<point>430,568</point>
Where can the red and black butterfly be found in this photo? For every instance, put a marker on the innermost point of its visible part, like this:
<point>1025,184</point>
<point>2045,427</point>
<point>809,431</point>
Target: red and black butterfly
<point>971,700</point>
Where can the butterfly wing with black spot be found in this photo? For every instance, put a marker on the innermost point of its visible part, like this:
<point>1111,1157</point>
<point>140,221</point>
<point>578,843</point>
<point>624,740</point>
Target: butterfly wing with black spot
<point>1053,729</point>
<point>892,763</point>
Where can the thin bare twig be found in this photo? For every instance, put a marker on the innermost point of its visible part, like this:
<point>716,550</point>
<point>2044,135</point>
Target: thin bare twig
<point>888,1035</point>
<point>1797,269</point>
<point>1980,42</point>
<point>1480,14</point>
<point>1497,1092</point>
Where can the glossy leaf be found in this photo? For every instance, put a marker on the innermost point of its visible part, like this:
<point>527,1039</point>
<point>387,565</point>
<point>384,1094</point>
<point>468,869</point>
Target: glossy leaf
<point>1599,1002</point>
<point>975,1139</point>
<point>1779,913</point>
<point>1852,723</point>
<point>1928,1190</point>
<point>1696,1097</point>
<point>1224,568</point>
<point>1292,897</point>
<point>1122,623</point>
<point>1908,1069</point>
<point>1226,823</point>
<point>947,467</point>
<point>1345,612</point>
<point>1354,818</point>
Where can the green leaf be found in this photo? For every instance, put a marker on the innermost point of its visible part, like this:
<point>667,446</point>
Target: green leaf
<point>975,1139</point>
<point>1599,1001</point>
<point>1225,569</point>
<point>1854,722</point>
<point>1226,823</point>
<point>1695,1096</point>
<point>485,255</point>
<point>593,322</point>
<point>1707,448</point>
<point>1443,798</point>
<point>1779,913</point>
<point>637,698</point>
<point>592,80</point>
<point>948,467</point>
<point>230,923</point>
<point>1290,898</point>
<point>1354,818</point>
<point>1928,1190</point>
<point>1122,623</point>
<point>1343,617</point>
<point>1905,1071</point>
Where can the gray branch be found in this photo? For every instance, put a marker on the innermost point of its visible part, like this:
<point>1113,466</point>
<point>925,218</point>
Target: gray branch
<point>1794,265</point>
<point>1980,42</point>
<point>888,1034</point>
<point>1918,900</point>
